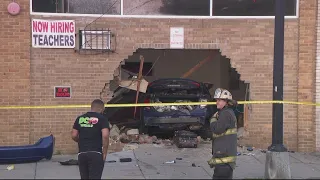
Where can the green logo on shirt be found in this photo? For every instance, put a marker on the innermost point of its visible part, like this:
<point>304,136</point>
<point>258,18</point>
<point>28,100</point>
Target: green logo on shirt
<point>88,121</point>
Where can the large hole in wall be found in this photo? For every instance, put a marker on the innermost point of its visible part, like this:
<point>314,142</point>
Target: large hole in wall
<point>206,66</point>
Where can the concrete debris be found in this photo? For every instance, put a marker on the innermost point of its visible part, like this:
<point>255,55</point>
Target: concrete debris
<point>125,139</point>
<point>115,132</point>
<point>129,147</point>
<point>240,132</point>
<point>129,138</point>
<point>158,145</point>
<point>115,146</point>
<point>145,139</point>
<point>199,139</point>
<point>167,142</point>
<point>133,132</point>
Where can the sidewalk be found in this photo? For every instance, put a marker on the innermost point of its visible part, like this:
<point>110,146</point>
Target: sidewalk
<point>149,162</point>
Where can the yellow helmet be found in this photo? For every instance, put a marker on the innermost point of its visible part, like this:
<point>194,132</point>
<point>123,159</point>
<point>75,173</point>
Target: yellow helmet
<point>222,94</point>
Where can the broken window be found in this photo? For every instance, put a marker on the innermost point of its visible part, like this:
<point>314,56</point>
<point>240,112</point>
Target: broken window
<point>77,6</point>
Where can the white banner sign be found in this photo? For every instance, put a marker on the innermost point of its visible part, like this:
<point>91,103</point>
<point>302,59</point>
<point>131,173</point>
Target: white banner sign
<point>177,37</point>
<point>53,33</point>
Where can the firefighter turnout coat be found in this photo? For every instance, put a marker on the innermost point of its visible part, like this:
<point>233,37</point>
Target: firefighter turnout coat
<point>224,146</point>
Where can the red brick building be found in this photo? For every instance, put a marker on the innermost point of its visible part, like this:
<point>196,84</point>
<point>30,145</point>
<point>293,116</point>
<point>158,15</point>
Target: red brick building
<point>244,35</point>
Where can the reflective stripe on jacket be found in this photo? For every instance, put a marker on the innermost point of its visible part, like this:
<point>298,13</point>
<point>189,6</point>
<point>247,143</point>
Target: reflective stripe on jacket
<point>224,160</point>
<point>228,132</point>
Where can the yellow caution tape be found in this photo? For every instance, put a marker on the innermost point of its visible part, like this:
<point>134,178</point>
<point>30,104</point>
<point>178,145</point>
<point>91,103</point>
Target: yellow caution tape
<point>228,132</point>
<point>154,104</point>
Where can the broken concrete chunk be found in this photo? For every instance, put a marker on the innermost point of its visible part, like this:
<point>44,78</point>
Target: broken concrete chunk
<point>124,138</point>
<point>129,147</point>
<point>114,132</point>
<point>115,147</point>
<point>133,132</point>
<point>199,139</point>
<point>154,138</point>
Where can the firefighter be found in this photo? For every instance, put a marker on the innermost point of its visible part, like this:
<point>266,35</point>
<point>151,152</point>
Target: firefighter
<point>223,125</point>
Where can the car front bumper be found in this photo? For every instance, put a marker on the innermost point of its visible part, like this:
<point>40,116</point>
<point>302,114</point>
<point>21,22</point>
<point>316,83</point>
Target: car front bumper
<point>170,122</point>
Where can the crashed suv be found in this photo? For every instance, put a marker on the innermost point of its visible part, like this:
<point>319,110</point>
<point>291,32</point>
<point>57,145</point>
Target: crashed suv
<point>180,117</point>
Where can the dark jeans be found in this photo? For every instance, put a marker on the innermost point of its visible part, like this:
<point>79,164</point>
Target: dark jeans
<point>91,165</point>
<point>223,171</point>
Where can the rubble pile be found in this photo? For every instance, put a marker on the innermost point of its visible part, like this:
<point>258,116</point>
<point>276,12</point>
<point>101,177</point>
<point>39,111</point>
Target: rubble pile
<point>125,139</point>
<point>128,139</point>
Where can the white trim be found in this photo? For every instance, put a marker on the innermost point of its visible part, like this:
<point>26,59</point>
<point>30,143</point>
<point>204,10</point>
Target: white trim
<point>121,7</point>
<point>30,8</point>
<point>157,16</point>
<point>211,6</point>
<point>297,8</point>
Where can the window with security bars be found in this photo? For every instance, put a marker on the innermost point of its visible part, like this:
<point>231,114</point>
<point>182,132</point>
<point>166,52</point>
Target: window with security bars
<point>95,39</point>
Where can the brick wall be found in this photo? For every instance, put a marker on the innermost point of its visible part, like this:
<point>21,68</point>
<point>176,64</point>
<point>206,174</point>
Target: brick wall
<point>248,43</point>
<point>306,74</point>
<point>318,82</point>
<point>14,73</point>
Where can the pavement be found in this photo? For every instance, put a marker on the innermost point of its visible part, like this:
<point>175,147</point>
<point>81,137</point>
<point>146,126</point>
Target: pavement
<point>155,162</point>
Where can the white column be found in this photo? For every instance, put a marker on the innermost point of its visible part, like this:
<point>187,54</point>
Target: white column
<point>211,5</point>
<point>121,7</point>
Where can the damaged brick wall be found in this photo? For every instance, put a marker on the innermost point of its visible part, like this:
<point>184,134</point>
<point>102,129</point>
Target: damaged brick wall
<point>248,43</point>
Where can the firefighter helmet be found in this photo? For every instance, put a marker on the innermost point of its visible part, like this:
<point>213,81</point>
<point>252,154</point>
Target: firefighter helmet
<point>222,94</point>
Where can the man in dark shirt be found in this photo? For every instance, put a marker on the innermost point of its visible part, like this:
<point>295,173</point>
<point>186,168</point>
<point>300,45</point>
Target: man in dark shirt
<point>91,132</point>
